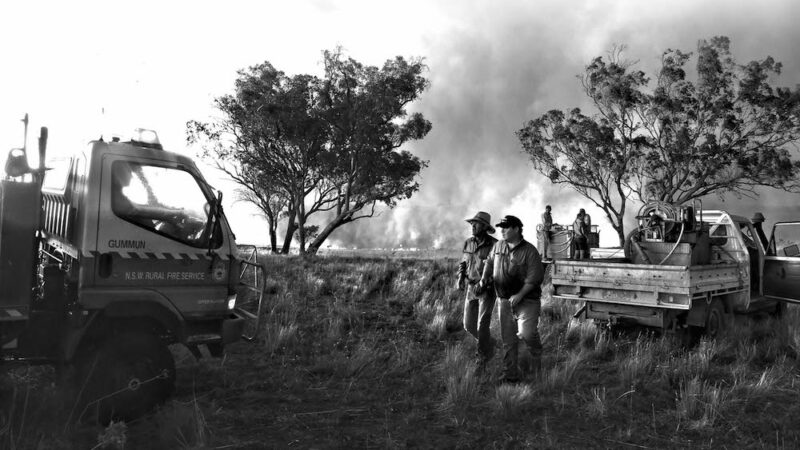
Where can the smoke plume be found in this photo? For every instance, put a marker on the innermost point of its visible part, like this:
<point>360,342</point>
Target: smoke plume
<point>495,67</point>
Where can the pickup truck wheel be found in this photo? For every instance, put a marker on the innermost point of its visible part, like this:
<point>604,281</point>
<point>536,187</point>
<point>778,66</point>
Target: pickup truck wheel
<point>127,377</point>
<point>717,319</point>
<point>779,310</point>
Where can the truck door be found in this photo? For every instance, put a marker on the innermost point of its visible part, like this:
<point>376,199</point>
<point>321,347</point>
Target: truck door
<point>754,251</point>
<point>782,263</point>
<point>153,235</point>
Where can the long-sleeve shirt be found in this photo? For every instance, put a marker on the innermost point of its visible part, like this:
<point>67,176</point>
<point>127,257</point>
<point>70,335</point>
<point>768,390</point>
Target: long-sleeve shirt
<point>474,255</point>
<point>513,268</point>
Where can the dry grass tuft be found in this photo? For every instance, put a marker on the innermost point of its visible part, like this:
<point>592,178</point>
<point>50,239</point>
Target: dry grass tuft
<point>597,406</point>
<point>458,372</point>
<point>511,399</point>
<point>700,404</point>
<point>561,375</point>
<point>582,333</point>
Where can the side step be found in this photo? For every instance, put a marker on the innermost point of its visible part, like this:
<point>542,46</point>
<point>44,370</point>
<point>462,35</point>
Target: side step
<point>11,315</point>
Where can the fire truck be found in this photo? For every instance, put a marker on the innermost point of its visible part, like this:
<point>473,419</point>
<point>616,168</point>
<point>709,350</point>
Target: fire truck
<point>107,258</point>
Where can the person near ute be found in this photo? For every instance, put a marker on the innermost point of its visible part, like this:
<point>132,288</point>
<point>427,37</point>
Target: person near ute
<point>587,221</point>
<point>479,303</point>
<point>547,226</point>
<point>515,267</point>
<point>580,235</point>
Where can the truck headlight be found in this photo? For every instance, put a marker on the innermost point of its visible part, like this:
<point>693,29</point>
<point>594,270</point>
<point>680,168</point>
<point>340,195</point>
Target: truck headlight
<point>231,301</point>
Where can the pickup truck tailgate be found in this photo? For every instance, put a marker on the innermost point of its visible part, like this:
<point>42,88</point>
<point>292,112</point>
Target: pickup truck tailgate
<point>643,284</point>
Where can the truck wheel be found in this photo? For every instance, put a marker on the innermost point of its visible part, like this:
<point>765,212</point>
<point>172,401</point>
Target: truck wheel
<point>779,310</point>
<point>716,320</point>
<point>127,377</point>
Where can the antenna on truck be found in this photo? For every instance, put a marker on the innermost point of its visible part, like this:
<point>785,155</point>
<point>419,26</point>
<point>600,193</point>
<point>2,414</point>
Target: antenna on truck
<point>39,177</point>
<point>25,134</point>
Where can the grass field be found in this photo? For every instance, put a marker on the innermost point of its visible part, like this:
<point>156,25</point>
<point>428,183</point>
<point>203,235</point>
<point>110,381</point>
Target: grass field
<point>368,352</point>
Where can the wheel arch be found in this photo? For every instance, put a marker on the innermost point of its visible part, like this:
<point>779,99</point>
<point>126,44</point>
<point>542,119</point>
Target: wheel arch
<point>122,316</point>
<point>698,313</point>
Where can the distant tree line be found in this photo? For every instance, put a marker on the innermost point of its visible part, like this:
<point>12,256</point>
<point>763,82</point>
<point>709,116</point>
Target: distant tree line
<point>727,129</point>
<point>302,146</point>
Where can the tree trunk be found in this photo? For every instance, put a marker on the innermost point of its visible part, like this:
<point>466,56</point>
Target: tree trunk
<point>314,246</point>
<point>291,226</point>
<point>621,235</point>
<point>301,224</point>
<point>273,239</point>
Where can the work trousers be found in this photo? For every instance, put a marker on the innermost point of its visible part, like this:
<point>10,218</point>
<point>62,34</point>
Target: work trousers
<point>478,319</point>
<point>519,322</point>
<point>547,236</point>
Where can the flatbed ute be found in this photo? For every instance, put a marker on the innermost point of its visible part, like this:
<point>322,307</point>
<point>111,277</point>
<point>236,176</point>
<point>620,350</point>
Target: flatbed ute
<point>678,273</point>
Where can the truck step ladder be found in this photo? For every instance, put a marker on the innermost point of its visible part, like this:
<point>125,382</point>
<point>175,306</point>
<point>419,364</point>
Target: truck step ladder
<point>250,295</point>
<point>11,315</point>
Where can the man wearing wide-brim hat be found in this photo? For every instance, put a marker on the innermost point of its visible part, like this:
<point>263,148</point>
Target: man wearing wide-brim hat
<point>515,267</point>
<point>479,303</point>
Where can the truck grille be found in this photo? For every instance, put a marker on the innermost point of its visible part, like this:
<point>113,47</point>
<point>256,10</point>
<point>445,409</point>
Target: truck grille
<point>58,216</point>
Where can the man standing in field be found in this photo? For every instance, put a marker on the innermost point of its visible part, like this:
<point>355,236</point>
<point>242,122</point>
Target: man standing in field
<point>516,268</point>
<point>479,302</point>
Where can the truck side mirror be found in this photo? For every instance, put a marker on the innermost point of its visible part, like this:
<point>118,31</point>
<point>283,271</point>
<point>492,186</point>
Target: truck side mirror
<point>17,163</point>
<point>215,213</point>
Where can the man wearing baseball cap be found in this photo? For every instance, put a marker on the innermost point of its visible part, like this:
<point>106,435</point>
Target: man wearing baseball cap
<point>479,303</point>
<point>516,268</point>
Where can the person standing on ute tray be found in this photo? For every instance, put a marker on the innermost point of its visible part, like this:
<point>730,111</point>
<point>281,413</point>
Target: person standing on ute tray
<point>547,226</point>
<point>479,303</point>
<point>580,236</point>
<point>516,268</point>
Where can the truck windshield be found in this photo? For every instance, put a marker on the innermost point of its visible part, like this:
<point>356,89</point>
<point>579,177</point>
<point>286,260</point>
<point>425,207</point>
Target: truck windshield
<point>55,179</point>
<point>166,200</point>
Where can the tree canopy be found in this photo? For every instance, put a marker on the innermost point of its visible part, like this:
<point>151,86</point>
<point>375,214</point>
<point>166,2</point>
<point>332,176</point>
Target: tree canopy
<point>727,129</point>
<point>303,145</point>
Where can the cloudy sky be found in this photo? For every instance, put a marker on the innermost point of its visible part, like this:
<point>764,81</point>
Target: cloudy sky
<point>83,68</point>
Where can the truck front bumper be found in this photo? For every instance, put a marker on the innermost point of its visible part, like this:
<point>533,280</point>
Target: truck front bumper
<point>232,328</point>
<point>222,331</point>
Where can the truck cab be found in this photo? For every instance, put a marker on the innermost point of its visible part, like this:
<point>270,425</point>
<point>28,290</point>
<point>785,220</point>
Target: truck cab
<point>106,258</point>
<point>781,265</point>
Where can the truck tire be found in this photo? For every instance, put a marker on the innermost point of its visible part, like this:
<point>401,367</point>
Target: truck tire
<point>779,310</point>
<point>716,319</point>
<point>128,376</point>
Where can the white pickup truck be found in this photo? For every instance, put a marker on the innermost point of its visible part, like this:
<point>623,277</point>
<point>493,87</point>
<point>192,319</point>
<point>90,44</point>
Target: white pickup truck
<point>687,270</point>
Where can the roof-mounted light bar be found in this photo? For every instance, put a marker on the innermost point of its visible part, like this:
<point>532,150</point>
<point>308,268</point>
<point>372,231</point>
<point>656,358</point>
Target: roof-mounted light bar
<point>146,138</point>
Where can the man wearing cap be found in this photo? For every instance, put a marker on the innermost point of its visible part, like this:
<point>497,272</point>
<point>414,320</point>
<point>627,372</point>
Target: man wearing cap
<point>516,268</point>
<point>479,302</point>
